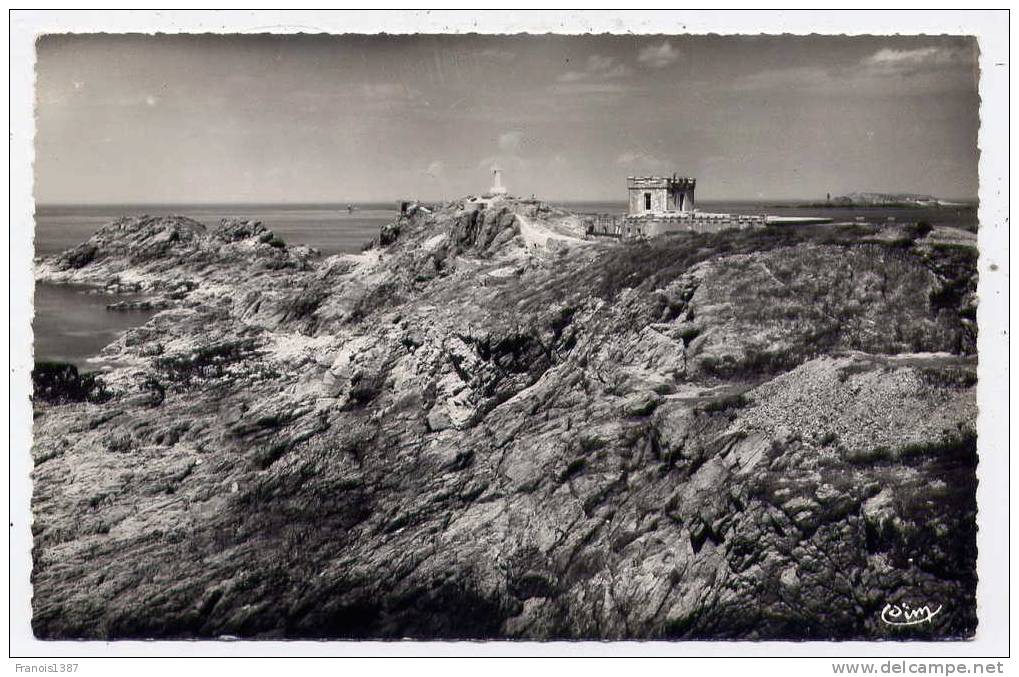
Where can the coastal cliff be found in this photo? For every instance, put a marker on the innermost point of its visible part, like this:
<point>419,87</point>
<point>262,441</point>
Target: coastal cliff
<point>487,426</point>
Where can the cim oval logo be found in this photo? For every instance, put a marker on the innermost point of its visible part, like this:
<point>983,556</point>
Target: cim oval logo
<point>904,614</point>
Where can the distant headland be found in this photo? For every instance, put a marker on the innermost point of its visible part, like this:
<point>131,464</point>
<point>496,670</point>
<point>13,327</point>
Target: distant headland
<point>886,200</point>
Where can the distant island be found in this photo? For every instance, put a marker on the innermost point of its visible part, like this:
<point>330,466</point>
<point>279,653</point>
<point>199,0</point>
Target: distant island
<point>900,200</point>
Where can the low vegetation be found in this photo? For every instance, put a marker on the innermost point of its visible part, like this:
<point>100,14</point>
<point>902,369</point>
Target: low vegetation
<point>62,383</point>
<point>185,370</point>
<point>607,440</point>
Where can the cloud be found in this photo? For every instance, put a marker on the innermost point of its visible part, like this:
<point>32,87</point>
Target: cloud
<point>618,71</point>
<point>597,68</point>
<point>658,56</point>
<point>571,76</point>
<point>888,61</point>
<point>911,56</point>
<point>508,157</point>
<point>886,72</point>
<point>640,160</point>
<point>510,141</point>
<point>607,67</point>
<point>151,101</point>
<point>435,169</point>
<point>598,62</point>
<point>504,162</point>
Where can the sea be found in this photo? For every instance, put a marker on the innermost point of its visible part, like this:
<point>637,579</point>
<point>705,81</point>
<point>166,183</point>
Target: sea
<point>73,325</point>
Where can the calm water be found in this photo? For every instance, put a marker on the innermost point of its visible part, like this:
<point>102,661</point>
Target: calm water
<point>72,326</point>
<point>329,228</point>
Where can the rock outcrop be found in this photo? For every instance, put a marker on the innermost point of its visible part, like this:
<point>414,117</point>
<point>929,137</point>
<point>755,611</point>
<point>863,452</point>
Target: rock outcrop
<point>486,426</point>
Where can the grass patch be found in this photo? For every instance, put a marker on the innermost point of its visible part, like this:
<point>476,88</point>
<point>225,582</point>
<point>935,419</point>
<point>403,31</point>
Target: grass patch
<point>62,383</point>
<point>829,439</point>
<point>272,239</point>
<point>207,362</point>
<point>689,332</point>
<point>957,449</point>
<point>953,378</point>
<point>724,405</point>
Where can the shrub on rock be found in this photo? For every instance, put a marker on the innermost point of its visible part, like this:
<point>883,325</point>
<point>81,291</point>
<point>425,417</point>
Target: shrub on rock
<point>61,383</point>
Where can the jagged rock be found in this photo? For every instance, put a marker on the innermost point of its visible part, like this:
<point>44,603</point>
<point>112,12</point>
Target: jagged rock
<point>504,236</point>
<point>232,230</point>
<point>158,251</point>
<point>641,404</point>
<point>438,421</point>
<point>78,257</point>
<point>659,440</point>
<point>149,397</point>
<point>789,579</point>
<point>388,234</point>
<point>143,304</point>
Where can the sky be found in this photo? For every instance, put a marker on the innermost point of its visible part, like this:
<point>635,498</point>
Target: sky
<point>320,118</point>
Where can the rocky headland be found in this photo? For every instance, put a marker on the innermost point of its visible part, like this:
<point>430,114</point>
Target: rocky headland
<point>487,426</point>
<point>894,200</point>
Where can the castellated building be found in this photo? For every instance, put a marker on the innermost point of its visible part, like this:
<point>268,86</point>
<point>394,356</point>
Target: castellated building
<point>665,204</point>
<point>660,194</point>
<point>659,205</point>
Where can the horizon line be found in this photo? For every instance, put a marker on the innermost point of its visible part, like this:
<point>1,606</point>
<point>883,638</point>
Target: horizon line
<point>623,200</point>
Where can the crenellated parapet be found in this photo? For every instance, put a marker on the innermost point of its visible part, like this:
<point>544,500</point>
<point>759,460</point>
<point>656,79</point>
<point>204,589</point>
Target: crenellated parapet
<point>661,182</point>
<point>660,194</point>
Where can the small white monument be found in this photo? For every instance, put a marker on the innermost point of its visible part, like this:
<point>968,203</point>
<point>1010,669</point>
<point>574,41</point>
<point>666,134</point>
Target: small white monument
<point>497,187</point>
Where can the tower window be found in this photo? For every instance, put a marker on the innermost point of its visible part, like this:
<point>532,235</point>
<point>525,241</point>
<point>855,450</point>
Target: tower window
<point>647,202</point>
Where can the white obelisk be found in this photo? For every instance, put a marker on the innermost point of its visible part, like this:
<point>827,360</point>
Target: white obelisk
<point>497,187</point>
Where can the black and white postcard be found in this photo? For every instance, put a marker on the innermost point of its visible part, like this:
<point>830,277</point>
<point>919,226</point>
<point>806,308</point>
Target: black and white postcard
<point>488,332</point>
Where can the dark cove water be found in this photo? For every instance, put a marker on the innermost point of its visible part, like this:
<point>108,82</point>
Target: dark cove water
<point>73,326</point>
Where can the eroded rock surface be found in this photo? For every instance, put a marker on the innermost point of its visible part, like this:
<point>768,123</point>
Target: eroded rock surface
<point>486,426</point>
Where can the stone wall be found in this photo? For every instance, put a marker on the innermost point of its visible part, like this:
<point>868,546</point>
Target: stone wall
<point>659,200</point>
<point>653,227</point>
<point>668,194</point>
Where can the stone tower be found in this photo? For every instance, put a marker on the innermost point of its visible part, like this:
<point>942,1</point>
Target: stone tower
<point>660,194</point>
<point>497,187</point>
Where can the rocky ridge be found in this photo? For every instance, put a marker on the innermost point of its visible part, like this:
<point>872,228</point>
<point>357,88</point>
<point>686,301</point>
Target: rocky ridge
<point>487,426</point>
